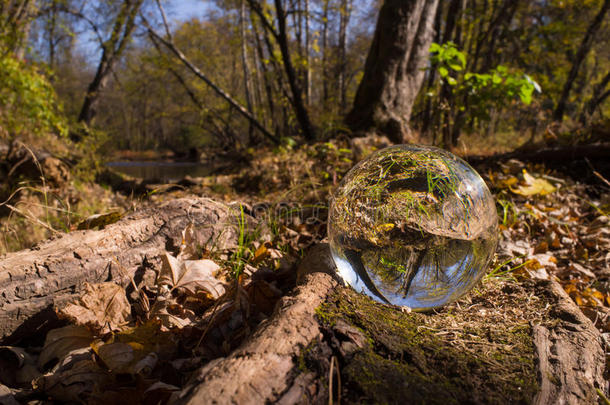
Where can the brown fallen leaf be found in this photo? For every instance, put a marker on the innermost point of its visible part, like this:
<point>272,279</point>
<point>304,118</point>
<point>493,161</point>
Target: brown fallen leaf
<point>74,378</point>
<point>103,306</point>
<point>61,341</point>
<point>126,358</point>
<point>190,275</point>
<point>17,367</point>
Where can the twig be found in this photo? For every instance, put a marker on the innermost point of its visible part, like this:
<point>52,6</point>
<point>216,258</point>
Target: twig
<point>31,218</point>
<point>596,173</point>
<point>334,363</point>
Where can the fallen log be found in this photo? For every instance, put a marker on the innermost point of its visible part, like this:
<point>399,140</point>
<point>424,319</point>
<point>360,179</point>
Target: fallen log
<point>497,350</point>
<point>506,342</point>
<point>33,281</point>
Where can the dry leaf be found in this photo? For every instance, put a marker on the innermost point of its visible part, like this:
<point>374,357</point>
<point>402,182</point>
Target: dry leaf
<point>74,379</point>
<point>190,275</point>
<point>103,306</point>
<point>116,356</point>
<point>17,367</point>
<point>533,186</point>
<point>6,396</point>
<point>62,341</point>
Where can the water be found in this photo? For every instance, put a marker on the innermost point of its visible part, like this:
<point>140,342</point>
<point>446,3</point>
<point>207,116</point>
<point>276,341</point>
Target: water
<point>412,226</point>
<point>160,171</point>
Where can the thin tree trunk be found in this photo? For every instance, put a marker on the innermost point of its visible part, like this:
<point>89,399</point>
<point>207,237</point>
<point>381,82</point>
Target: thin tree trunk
<point>307,56</point>
<point>393,71</point>
<point>598,97</point>
<point>345,13</point>
<point>265,74</point>
<point>111,52</point>
<point>246,67</point>
<point>214,87</point>
<point>281,36</point>
<point>297,94</point>
<point>325,53</point>
<point>583,50</point>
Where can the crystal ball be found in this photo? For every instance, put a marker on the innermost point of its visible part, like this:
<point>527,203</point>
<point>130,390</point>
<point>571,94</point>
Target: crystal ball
<point>413,226</point>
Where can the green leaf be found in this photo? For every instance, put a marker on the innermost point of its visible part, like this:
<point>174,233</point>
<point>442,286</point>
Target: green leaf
<point>443,71</point>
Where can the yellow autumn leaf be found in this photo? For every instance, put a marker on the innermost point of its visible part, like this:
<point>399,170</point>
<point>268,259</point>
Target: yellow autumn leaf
<point>533,186</point>
<point>385,227</point>
<point>261,254</point>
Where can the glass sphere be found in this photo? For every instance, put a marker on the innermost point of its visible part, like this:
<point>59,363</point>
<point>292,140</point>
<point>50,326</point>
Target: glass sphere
<point>413,226</point>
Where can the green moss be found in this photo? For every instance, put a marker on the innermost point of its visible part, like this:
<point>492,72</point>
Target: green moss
<point>411,358</point>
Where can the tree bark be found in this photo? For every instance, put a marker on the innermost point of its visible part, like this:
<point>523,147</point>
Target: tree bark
<point>325,52</point>
<point>583,50</point>
<point>307,55</point>
<point>393,71</point>
<point>293,358</point>
<point>297,94</point>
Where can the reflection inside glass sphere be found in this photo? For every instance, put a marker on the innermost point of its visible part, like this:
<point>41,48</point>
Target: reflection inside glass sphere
<point>412,226</point>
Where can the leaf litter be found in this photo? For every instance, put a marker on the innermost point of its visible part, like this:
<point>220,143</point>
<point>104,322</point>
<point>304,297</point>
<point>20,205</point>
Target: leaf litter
<point>130,347</point>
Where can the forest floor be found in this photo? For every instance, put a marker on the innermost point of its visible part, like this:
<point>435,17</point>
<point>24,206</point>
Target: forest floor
<point>553,226</point>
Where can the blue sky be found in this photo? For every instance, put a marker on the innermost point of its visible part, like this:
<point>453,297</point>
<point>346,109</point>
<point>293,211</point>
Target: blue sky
<point>181,10</point>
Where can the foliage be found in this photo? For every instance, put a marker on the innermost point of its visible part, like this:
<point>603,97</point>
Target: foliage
<point>496,88</point>
<point>28,104</point>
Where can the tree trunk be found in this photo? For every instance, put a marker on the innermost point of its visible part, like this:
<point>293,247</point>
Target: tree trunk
<point>112,50</point>
<point>345,13</point>
<point>214,87</point>
<point>261,64</point>
<point>598,97</point>
<point>393,71</point>
<point>325,53</point>
<point>246,67</point>
<point>295,88</point>
<point>307,56</point>
<point>583,50</point>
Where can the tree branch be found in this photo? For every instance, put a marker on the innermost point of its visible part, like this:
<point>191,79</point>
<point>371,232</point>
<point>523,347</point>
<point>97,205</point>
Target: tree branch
<point>197,72</point>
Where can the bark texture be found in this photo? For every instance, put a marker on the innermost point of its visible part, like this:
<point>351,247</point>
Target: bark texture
<point>264,369</point>
<point>393,71</point>
<point>35,280</point>
<point>570,355</point>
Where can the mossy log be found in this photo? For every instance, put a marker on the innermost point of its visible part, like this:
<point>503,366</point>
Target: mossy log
<point>33,281</point>
<point>506,342</point>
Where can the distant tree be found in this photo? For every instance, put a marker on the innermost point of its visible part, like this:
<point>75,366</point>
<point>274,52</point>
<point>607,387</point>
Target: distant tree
<point>16,17</point>
<point>583,50</point>
<point>112,49</point>
<point>280,34</point>
<point>393,72</point>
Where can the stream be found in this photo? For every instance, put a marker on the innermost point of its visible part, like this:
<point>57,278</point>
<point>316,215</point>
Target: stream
<point>162,171</point>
